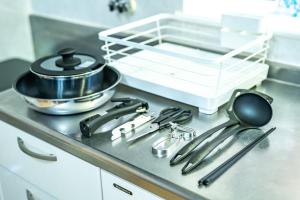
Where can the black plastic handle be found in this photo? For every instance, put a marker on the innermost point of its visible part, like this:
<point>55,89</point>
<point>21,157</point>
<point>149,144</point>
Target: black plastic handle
<point>199,155</point>
<point>166,114</point>
<point>181,117</point>
<point>27,151</point>
<point>221,169</point>
<point>188,148</point>
<point>89,126</point>
<point>68,61</point>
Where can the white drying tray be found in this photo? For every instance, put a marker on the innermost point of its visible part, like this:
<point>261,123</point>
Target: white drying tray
<point>190,82</point>
<point>161,54</point>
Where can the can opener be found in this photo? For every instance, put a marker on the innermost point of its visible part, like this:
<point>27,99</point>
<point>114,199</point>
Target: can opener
<point>130,126</point>
<point>164,146</point>
<point>127,106</point>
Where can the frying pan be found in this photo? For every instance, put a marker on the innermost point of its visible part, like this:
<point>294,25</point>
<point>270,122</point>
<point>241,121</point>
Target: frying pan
<point>30,88</point>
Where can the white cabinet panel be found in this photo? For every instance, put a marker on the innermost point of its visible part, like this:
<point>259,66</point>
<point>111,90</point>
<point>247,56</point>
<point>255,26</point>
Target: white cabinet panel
<point>66,178</point>
<point>15,188</point>
<point>115,188</point>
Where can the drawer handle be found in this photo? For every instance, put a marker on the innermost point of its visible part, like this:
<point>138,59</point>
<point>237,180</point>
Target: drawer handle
<point>29,195</point>
<point>33,154</point>
<point>122,189</point>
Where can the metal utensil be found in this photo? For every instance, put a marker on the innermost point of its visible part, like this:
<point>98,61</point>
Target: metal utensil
<point>249,108</point>
<point>164,146</point>
<point>221,169</point>
<point>176,115</point>
<point>130,126</point>
<point>199,155</point>
<point>90,125</point>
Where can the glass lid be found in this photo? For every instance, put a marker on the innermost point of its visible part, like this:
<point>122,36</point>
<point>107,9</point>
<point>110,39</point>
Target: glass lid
<point>66,63</point>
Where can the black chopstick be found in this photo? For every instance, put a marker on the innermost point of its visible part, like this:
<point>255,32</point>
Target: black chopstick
<point>217,172</point>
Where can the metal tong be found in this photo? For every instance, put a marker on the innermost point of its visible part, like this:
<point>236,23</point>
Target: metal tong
<point>127,106</point>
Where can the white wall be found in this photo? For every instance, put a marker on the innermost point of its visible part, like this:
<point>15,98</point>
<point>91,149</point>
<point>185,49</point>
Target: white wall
<point>15,35</point>
<point>96,12</point>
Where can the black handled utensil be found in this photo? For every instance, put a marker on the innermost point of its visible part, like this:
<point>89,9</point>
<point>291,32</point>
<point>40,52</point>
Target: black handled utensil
<point>249,108</point>
<point>90,125</point>
<point>221,169</point>
<point>198,156</point>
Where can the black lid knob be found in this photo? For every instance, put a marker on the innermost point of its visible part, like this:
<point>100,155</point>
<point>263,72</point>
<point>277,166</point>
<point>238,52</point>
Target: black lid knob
<point>68,61</point>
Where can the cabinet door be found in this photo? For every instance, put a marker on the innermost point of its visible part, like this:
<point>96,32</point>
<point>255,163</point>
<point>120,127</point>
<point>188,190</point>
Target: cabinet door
<point>115,188</point>
<point>51,169</point>
<point>15,188</point>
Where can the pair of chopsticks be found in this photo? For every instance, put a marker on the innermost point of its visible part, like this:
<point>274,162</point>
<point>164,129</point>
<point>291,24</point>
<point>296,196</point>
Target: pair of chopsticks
<point>221,169</point>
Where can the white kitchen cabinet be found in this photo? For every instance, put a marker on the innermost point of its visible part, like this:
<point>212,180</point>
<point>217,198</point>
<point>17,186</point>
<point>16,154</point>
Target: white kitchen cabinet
<point>51,169</point>
<point>15,188</point>
<point>115,188</point>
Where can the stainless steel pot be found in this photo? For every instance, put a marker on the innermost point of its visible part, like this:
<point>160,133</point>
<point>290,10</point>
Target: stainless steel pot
<point>66,100</point>
<point>68,74</point>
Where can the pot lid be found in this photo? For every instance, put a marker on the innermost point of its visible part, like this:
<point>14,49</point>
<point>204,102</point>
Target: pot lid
<point>66,63</point>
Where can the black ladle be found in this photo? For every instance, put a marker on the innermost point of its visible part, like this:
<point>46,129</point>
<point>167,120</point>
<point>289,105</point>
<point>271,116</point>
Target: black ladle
<point>249,108</point>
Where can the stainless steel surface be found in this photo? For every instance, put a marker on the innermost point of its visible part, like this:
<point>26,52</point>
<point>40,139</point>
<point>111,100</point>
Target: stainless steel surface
<point>144,132</point>
<point>270,171</point>
<point>131,126</point>
<point>63,106</point>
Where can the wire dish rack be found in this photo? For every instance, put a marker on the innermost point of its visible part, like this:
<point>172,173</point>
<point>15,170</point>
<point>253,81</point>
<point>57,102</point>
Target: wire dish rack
<point>182,59</point>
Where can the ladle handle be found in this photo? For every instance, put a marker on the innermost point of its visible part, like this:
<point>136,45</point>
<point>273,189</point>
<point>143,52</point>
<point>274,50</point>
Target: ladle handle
<point>188,148</point>
<point>199,155</point>
<point>216,173</point>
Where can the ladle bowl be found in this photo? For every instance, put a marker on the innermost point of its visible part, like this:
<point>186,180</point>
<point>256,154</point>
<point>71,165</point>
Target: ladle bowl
<point>252,110</point>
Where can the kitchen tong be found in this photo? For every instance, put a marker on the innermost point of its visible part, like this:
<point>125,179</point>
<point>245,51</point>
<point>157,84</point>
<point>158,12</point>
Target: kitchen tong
<point>127,106</point>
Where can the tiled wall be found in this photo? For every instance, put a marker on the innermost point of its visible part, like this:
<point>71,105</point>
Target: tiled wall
<point>15,35</point>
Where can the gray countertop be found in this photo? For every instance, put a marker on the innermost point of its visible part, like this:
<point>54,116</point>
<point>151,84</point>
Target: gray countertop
<point>270,171</point>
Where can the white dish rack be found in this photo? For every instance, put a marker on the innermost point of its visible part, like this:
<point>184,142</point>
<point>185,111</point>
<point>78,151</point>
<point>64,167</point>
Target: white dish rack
<point>164,55</point>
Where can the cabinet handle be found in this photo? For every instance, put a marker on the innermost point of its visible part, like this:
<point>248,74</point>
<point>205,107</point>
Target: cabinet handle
<point>122,189</point>
<point>23,148</point>
<point>29,195</point>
